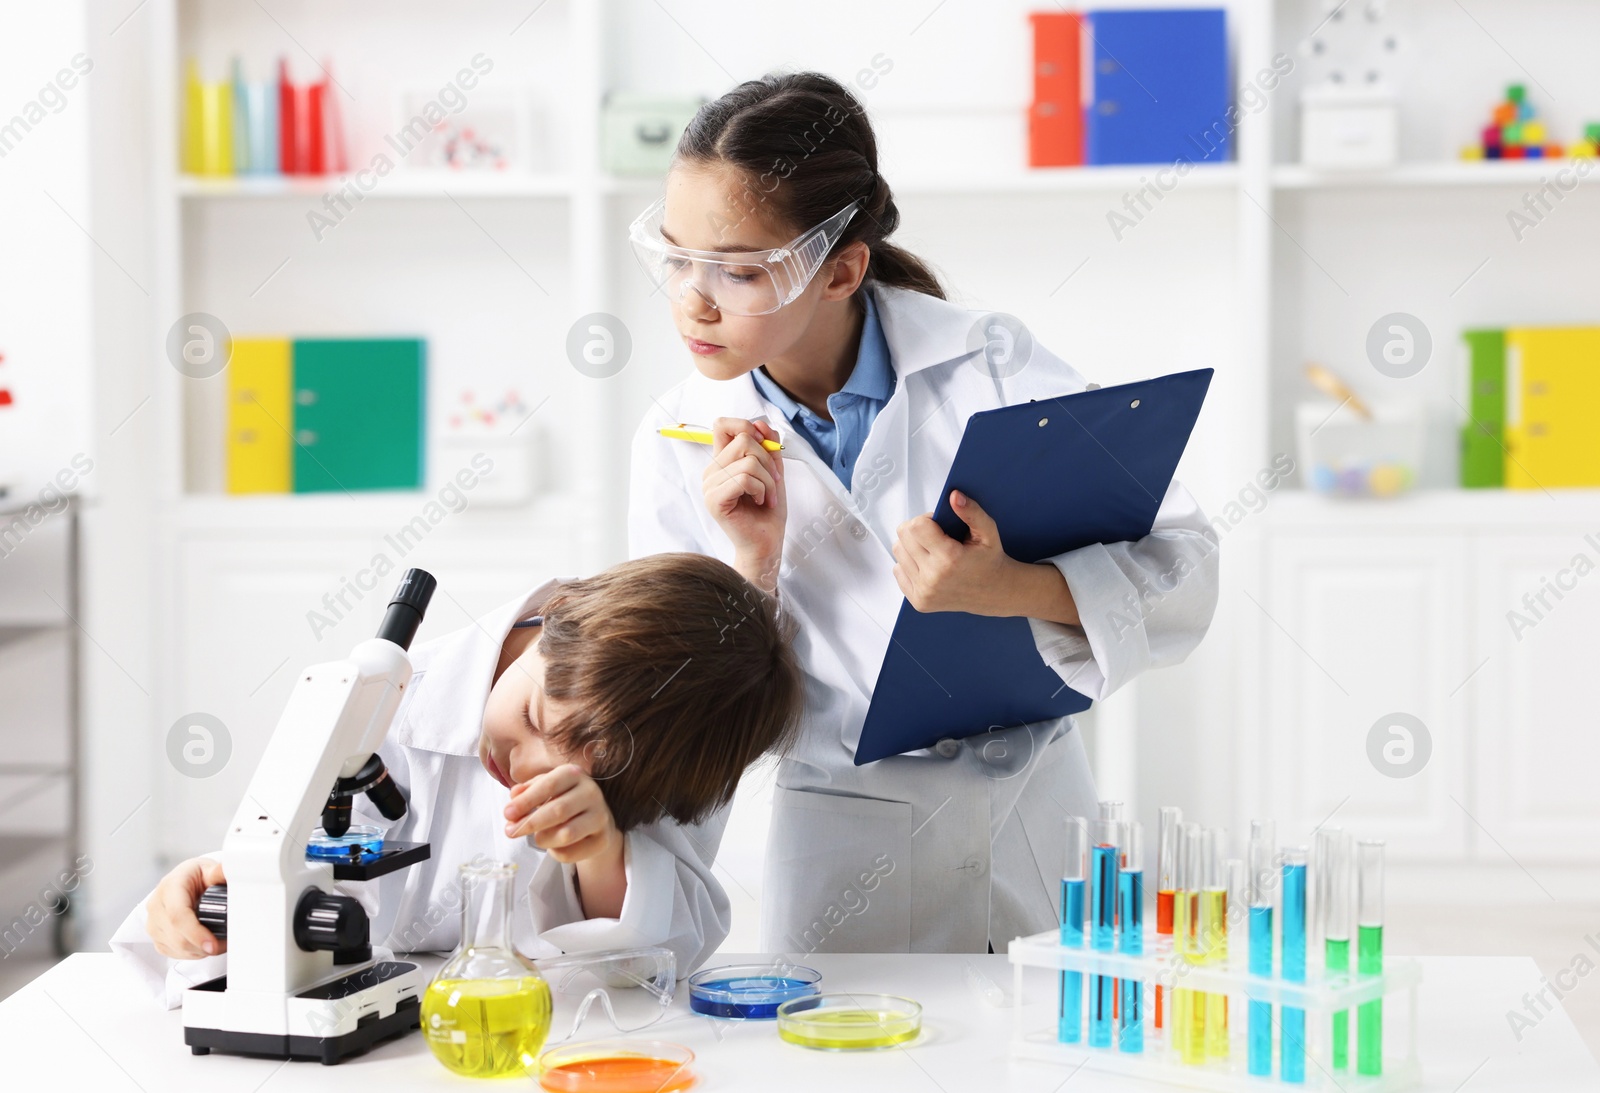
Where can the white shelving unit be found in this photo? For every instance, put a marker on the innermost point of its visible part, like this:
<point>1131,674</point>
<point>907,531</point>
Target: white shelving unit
<point>1235,268</point>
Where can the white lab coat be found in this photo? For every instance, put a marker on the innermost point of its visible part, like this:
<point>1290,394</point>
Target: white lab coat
<point>949,848</point>
<point>456,806</point>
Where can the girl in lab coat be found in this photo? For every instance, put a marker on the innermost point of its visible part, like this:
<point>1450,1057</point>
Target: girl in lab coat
<point>595,743</point>
<point>803,321</point>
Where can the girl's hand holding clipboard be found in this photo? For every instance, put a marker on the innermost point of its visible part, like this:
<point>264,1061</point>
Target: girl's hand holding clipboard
<point>744,492</point>
<point>938,573</point>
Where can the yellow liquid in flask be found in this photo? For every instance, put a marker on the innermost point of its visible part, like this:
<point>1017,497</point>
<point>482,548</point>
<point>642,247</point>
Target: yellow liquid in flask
<point>487,1028</point>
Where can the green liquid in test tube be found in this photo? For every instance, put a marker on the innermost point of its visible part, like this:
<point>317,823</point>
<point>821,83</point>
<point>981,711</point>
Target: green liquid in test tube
<point>1336,856</point>
<point>1369,954</point>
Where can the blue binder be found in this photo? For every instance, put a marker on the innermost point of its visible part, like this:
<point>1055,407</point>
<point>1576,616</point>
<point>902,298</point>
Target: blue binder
<point>1159,87</point>
<point>1055,475</point>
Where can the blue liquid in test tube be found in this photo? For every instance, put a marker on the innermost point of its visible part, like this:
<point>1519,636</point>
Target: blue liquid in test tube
<point>1293,1067</point>
<point>1103,928</point>
<point>1263,848</point>
<point>1074,898</point>
<point>1261,1012</point>
<point>1130,1015</point>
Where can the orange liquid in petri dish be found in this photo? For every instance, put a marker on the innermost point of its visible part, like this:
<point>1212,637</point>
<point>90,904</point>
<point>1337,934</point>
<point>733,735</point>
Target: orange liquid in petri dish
<point>618,1074</point>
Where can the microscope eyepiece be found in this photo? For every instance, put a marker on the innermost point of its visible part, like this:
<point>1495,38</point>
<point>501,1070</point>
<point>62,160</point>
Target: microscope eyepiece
<point>407,606</point>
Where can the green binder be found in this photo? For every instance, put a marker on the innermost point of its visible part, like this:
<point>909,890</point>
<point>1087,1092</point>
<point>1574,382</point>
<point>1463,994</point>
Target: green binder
<point>358,414</point>
<point>1483,456</point>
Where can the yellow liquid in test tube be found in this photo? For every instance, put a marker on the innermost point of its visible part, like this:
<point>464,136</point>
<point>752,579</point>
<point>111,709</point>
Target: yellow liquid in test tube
<point>1214,924</point>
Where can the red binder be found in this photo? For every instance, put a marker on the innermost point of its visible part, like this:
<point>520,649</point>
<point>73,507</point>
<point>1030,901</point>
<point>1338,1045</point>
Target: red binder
<point>1055,118</point>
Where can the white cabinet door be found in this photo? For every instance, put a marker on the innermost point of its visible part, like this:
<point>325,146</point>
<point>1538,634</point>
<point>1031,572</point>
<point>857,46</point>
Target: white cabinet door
<point>1357,629</point>
<point>1538,631</point>
<point>248,618</point>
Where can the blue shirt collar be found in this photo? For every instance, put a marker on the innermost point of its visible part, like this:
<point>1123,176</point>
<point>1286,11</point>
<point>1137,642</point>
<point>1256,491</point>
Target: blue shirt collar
<point>872,378</point>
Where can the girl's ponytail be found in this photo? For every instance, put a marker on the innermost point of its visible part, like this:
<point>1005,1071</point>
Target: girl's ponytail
<point>806,150</point>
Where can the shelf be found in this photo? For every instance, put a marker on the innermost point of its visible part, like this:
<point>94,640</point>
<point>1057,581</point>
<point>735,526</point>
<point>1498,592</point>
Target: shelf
<point>1517,172</point>
<point>1036,180</point>
<point>296,513</point>
<point>401,184</point>
<point>1066,180</point>
<point>1453,511</point>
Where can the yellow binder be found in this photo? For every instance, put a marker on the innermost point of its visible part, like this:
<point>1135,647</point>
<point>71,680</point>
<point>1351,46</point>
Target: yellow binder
<point>1552,429</point>
<point>260,416</point>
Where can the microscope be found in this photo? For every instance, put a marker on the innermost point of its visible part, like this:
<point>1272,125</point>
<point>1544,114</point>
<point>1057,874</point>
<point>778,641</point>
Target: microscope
<point>301,982</point>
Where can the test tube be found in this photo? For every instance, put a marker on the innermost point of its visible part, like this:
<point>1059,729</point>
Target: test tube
<point>1171,819</point>
<point>1238,874</point>
<point>1214,928</point>
<point>1115,811</point>
<point>1292,1067</point>
<point>1334,880</point>
<point>1262,852</point>
<point>1102,927</point>
<point>1074,882</point>
<point>1130,909</point>
<point>1369,958</point>
<point>1189,1006</point>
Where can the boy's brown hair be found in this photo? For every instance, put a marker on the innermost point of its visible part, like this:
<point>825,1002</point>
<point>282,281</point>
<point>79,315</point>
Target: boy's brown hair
<point>683,675</point>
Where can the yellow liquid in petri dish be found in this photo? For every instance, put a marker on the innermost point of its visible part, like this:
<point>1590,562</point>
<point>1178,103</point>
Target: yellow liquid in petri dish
<point>845,1029</point>
<point>487,1028</point>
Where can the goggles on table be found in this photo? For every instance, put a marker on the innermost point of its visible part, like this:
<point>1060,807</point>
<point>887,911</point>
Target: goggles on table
<point>632,987</point>
<point>733,282</point>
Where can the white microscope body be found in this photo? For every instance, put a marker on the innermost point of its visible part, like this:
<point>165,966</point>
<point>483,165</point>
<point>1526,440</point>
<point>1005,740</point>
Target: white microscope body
<point>301,982</point>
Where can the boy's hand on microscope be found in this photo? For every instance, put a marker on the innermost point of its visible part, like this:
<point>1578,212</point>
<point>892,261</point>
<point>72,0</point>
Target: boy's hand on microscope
<point>565,815</point>
<point>170,912</point>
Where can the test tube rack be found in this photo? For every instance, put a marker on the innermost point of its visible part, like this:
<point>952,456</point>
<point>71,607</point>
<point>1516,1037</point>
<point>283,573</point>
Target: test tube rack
<point>1320,996</point>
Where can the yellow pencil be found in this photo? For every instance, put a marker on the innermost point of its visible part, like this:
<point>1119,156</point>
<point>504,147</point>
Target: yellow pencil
<point>699,434</point>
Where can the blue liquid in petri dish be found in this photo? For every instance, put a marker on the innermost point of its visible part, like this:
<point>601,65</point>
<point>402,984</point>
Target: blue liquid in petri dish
<point>362,843</point>
<point>733,994</point>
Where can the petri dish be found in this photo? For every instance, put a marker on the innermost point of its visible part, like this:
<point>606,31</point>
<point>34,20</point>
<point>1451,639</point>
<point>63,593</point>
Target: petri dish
<point>849,1022</point>
<point>616,1066</point>
<point>745,992</point>
<point>362,842</point>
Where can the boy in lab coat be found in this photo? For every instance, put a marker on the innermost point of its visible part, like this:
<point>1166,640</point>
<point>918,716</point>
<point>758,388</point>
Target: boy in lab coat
<point>596,745</point>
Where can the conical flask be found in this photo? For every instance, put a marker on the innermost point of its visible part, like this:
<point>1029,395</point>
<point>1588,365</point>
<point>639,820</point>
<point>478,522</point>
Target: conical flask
<point>487,1013</point>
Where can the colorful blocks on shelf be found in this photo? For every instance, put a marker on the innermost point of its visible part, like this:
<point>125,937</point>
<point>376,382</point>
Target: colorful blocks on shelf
<point>1533,132</point>
<point>1516,92</point>
<point>1505,113</point>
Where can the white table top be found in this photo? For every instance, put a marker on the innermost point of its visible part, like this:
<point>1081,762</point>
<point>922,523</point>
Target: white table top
<point>86,1024</point>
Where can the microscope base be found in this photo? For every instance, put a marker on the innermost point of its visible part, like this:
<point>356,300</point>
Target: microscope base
<point>334,1007</point>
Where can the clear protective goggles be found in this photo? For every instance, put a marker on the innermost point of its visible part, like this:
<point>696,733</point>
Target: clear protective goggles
<point>733,282</point>
<point>632,987</point>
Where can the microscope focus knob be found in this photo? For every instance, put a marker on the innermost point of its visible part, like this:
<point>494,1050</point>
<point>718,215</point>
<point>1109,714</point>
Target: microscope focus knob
<point>212,911</point>
<point>329,923</point>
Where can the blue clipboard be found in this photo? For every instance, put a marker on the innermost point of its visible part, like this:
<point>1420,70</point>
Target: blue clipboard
<point>1056,475</point>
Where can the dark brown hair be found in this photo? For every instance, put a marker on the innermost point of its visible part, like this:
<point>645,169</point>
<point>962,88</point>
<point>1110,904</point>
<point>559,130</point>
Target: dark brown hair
<point>807,150</point>
<point>683,675</point>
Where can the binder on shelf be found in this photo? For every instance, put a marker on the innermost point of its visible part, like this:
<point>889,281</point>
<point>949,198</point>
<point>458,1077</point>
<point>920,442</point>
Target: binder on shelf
<point>1159,83</point>
<point>1483,457</point>
<point>358,414</point>
<point>260,416</point>
<point>1552,422</point>
<point>1055,117</point>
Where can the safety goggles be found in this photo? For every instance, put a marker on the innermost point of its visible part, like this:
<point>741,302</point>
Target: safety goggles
<point>632,987</point>
<point>735,283</point>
